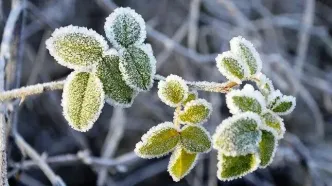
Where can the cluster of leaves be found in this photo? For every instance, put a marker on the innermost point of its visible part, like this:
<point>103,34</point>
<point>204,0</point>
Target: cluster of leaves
<point>185,136</point>
<point>101,74</point>
<point>248,140</point>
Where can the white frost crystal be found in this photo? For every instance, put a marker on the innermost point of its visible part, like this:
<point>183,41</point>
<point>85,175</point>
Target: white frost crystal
<point>124,27</point>
<point>230,66</point>
<point>246,51</point>
<point>76,47</point>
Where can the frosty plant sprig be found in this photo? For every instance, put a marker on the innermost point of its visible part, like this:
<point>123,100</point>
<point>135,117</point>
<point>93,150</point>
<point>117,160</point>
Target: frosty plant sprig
<point>245,141</point>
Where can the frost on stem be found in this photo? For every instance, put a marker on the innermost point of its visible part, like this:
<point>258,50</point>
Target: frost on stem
<point>195,112</point>
<point>158,141</point>
<point>138,67</point>
<point>247,53</point>
<point>117,92</point>
<point>124,27</point>
<point>76,47</point>
<point>181,163</point>
<point>230,168</point>
<point>195,139</point>
<point>267,148</point>
<point>244,100</point>
<point>82,100</point>
<point>173,90</point>
<point>238,135</point>
<point>230,66</point>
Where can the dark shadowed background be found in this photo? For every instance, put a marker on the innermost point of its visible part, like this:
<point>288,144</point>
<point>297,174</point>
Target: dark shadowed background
<point>292,36</point>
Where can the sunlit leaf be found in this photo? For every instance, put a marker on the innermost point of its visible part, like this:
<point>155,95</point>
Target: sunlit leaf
<point>195,112</point>
<point>181,163</point>
<point>195,139</point>
<point>158,141</point>
<point>76,47</point>
<point>82,100</point>
<point>192,95</point>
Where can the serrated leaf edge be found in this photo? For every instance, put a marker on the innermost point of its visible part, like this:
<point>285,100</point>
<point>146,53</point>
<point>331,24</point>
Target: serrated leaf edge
<point>65,96</point>
<point>172,160</point>
<point>151,132</point>
<point>228,122</point>
<point>61,32</point>
<point>247,91</point>
<point>110,19</point>
<point>194,103</point>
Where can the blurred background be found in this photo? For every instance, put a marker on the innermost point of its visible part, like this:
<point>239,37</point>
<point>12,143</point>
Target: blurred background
<point>292,36</point>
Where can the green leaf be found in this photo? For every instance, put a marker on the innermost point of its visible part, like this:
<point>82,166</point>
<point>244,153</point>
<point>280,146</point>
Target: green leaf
<point>238,135</point>
<point>192,95</point>
<point>195,112</point>
<point>117,92</point>
<point>82,100</point>
<point>181,163</point>
<point>138,67</point>
<point>230,66</point>
<point>267,148</point>
<point>285,105</point>
<point>264,84</point>
<point>124,27</point>
<point>75,47</point>
<point>245,100</point>
<point>158,141</point>
<point>230,168</point>
<point>195,139</point>
<point>275,123</point>
<point>173,90</point>
<point>247,53</point>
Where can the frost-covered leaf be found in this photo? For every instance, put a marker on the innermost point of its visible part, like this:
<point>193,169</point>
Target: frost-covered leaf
<point>274,122</point>
<point>76,47</point>
<point>272,98</point>
<point>195,112</point>
<point>192,95</point>
<point>173,90</point>
<point>246,51</point>
<point>244,100</point>
<point>230,66</point>
<point>181,163</point>
<point>158,141</point>
<point>138,66</point>
<point>124,27</point>
<point>238,135</point>
<point>230,168</point>
<point>264,84</point>
<point>284,105</point>
<point>267,148</point>
<point>82,100</point>
<point>117,92</point>
<point>195,139</point>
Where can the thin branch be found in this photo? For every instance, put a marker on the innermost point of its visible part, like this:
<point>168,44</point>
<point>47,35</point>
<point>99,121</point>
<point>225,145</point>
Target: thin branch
<point>31,90</point>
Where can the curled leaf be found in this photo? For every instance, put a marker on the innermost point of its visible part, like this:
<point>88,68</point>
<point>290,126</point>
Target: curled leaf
<point>82,100</point>
<point>195,139</point>
<point>117,92</point>
<point>181,163</point>
<point>285,105</point>
<point>230,168</point>
<point>247,53</point>
<point>158,141</point>
<point>76,47</point>
<point>195,112</point>
<point>173,90</point>
<point>192,95</point>
<point>124,27</point>
<point>267,148</point>
<point>274,122</point>
<point>238,135</point>
<point>245,100</point>
<point>138,66</point>
<point>230,66</point>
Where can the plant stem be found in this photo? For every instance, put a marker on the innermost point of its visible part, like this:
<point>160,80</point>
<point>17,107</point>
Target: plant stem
<point>58,85</point>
